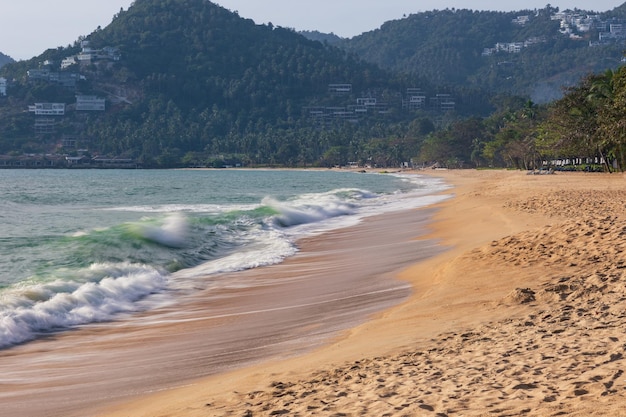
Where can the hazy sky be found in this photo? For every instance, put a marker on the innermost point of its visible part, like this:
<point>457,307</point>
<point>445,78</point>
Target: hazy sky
<point>29,27</point>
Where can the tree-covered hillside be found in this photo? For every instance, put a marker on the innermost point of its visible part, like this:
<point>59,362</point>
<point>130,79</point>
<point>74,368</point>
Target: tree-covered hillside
<point>315,35</point>
<point>531,53</point>
<point>584,130</point>
<point>5,59</point>
<point>188,81</point>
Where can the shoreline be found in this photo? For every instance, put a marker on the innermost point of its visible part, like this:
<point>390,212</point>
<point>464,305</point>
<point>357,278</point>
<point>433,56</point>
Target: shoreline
<point>292,308</point>
<point>524,314</point>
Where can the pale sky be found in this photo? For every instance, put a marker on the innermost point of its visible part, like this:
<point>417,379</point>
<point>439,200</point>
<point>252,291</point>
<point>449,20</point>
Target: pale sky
<point>29,27</point>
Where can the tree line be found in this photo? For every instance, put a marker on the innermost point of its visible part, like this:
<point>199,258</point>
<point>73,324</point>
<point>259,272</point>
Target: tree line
<point>206,87</point>
<point>587,123</point>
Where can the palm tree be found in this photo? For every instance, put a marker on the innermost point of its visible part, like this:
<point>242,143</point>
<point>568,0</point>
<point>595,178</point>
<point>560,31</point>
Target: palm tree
<point>601,89</point>
<point>608,94</point>
<point>529,111</point>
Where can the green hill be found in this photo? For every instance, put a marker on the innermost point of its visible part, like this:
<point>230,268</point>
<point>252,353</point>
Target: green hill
<point>528,53</point>
<point>5,59</point>
<point>189,82</point>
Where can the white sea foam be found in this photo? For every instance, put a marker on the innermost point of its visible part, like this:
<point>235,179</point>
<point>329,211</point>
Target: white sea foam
<point>172,232</point>
<point>266,247</point>
<point>31,308</point>
<point>303,211</point>
<point>184,208</point>
<point>363,204</point>
<point>186,233</point>
<point>310,214</point>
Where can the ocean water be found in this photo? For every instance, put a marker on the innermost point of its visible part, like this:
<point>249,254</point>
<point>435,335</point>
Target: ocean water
<point>89,246</point>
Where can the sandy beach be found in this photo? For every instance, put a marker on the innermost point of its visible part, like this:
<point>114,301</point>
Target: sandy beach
<point>523,315</point>
<point>222,322</point>
<point>507,299</point>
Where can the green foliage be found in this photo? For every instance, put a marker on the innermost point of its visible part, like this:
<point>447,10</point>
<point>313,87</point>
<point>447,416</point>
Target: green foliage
<point>329,38</point>
<point>455,146</point>
<point>435,45</point>
<point>5,59</point>
<point>200,80</point>
<point>445,47</point>
<point>200,86</point>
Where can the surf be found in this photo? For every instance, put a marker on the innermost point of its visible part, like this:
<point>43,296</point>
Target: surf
<point>110,251</point>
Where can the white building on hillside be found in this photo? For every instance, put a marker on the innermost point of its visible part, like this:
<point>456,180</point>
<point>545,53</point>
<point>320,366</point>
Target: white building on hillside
<point>48,109</point>
<point>90,103</point>
<point>69,61</point>
<point>3,86</point>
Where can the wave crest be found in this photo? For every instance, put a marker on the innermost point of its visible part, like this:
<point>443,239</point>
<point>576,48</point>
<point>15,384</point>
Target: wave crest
<point>29,309</point>
<point>303,212</point>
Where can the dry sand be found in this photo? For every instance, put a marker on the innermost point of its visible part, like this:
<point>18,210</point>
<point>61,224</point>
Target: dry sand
<point>524,315</point>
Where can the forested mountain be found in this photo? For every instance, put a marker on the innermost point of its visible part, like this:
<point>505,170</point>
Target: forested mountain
<point>188,80</point>
<point>5,59</point>
<point>315,35</point>
<point>528,53</point>
<point>188,83</point>
<point>617,13</point>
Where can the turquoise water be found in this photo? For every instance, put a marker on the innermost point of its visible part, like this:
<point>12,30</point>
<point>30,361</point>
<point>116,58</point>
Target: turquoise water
<point>84,246</point>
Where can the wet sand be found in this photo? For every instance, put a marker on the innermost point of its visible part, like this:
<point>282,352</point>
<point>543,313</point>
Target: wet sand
<point>524,315</point>
<point>337,281</point>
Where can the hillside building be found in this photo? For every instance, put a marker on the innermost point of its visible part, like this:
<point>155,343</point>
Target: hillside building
<point>442,103</point>
<point>48,109</point>
<point>521,20</point>
<point>69,61</point>
<point>88,54</point>
<point>340,88</point>
<point>90,103</point>
<point>415,99</point>
<point>366,101</point>
<point>45,125</point>
<point>65,79</point>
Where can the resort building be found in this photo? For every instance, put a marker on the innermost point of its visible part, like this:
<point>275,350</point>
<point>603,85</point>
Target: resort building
<point>90,103</point>
<point>48,109</point>
<point>69,61</point>
<point>45,125</point>
<point>415,99</point>
<point>340,88</point>
<point>88,54</point>
<point>442,103</point>
<point>65,79</point>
